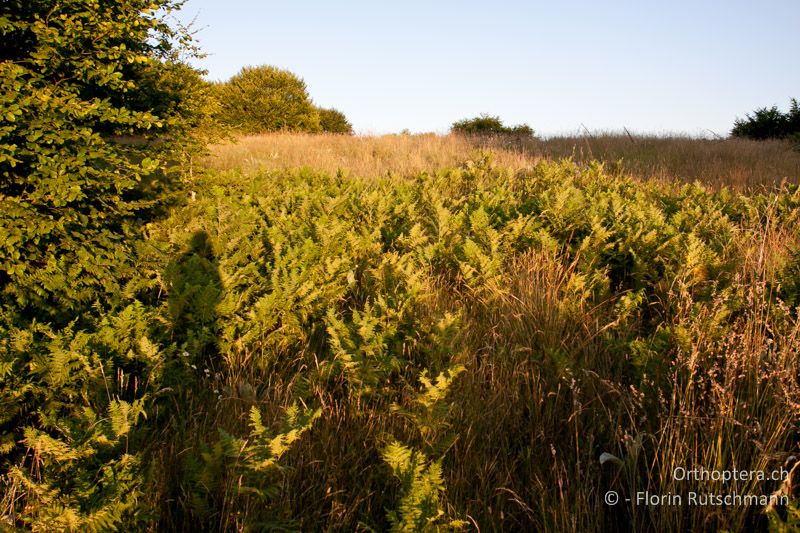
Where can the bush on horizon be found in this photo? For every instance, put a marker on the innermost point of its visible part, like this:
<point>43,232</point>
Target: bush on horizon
<point>264,98</point>
<point>334,121</point>
<point>769,123</point>
<point>490,125</point>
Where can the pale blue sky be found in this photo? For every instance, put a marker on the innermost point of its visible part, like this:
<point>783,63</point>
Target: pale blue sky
<point>650,66</point>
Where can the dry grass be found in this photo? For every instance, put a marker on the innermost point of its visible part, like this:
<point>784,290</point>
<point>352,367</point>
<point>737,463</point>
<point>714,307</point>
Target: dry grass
<point>736,163</point>
<point>544,396</point>
<point>404,155</point>
<point>552,379</point>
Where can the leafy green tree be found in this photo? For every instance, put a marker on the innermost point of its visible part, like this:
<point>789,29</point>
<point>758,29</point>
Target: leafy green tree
<point>334,121</point>
<point>489,125</point>
<point>97,109</point>
<point>265,98</point>
<point>769,123</point>
<point>95,105</point>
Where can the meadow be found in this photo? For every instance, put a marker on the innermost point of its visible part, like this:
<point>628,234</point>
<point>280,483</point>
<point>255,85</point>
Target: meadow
<point>739,164</point>
<point>204,330</point>
<point>414,333</point>
<point>431,333</point>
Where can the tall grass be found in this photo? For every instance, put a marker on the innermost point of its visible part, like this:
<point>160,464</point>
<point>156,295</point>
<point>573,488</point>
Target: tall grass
<point>401,155</point>
<point>735,163</point>
<point>421,335</point>
<point>592,314</point>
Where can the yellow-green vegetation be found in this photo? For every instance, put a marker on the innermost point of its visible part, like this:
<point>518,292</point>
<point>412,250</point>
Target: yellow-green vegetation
<point>471,340</point>
<point>320,332</point>
<point>742,165</point>
<point>264,99</point>
<point>311,350</point>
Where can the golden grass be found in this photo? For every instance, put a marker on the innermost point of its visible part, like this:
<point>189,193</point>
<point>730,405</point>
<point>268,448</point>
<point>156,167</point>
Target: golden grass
<point>736,163</point>
<point>404,155</point>
<point>548,387</point>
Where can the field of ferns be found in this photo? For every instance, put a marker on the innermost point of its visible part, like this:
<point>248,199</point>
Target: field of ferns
<point>444,347</point>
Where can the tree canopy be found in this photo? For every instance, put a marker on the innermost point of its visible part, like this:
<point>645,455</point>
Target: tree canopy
<point>265,98</point>
<point>769,123</point>
<point>334,121</point>
<point>97,109</point>
<point>75,77</point>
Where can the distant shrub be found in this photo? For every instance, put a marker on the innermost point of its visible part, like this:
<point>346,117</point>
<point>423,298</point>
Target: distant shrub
<point>481,125</point>
<point>522,130</point>
<point>769,123</point>
<point>489,125</point>
<point>265,98</point>
<point>334,121</point>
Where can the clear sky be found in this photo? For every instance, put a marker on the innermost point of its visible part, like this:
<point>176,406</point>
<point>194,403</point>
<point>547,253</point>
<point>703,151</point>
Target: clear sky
<point>651,66</point>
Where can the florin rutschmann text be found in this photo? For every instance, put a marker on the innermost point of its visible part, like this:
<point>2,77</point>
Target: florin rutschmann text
<point>709,498</point>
